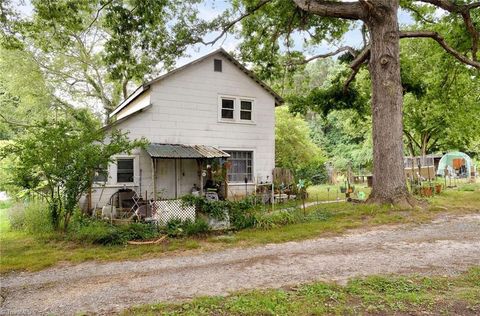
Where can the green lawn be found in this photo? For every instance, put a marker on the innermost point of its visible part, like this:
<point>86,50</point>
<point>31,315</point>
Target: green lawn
<point>375,295</point>
<point>20,251</point>
<point>327,192</point>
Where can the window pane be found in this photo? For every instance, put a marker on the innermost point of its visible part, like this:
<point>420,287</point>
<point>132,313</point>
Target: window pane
<point>228,114</point>
<point>246,115</point>
<point>246,105</point>
<point>227,104</point>
<point>241,166</point>
<point>125,170</point>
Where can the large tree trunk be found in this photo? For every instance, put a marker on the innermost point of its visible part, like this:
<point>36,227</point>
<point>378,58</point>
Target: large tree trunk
<point>389,182</point>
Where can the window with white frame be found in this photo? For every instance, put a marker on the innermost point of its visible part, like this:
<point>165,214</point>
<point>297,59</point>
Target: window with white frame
<point>246,110</point>
<point>241,166</point>
<point>236,109</point>
<point>228,109</point>
<point>125,170</point>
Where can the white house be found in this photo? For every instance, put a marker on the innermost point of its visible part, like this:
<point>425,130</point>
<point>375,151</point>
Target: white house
<point>207,112</point>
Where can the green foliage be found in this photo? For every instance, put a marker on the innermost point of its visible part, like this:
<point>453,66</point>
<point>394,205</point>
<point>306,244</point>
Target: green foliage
<point>443,116</point>
<point>214,209</point>
<point>325,100</point>
<point>57,159</point>
<point>240,213</point>
<point>16,217</point>
<point>178,228</point>
<point>274,219</point>
<point>294,148</point>
<point>32,217</point>
<point>93,231</point>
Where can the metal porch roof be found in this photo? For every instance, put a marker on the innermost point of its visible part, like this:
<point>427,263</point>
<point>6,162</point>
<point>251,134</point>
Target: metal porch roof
<point>177,151</point>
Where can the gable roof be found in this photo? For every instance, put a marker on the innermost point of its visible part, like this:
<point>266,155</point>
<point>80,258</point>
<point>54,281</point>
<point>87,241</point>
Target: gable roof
<point>144,87</point>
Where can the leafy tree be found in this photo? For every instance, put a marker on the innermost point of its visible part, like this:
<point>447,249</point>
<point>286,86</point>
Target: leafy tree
<point>56,158</point>
<point>92,51</point>
<point>267,28</point>
<point>24,96</point>
<point>441,113</point>
<point>294,149</point>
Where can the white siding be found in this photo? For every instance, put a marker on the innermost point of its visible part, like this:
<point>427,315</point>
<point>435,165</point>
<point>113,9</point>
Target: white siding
<point>185,111</point>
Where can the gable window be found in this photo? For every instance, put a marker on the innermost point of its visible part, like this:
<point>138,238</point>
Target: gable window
<point>124,170</point>
<point>241,167</point>
<point>246,110</point>
<point>217,65</point>
<point>228,108</point>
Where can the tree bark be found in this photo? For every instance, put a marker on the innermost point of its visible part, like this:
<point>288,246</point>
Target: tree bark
<point>389,184</point>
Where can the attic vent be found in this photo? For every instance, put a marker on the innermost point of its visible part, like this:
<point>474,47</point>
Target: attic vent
<point>217,65</point>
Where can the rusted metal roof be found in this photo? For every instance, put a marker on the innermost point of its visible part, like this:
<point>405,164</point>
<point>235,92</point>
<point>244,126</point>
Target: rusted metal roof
<point>177,151</point>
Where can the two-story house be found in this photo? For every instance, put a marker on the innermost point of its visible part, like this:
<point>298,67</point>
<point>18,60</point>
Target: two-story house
<point>211,108</point>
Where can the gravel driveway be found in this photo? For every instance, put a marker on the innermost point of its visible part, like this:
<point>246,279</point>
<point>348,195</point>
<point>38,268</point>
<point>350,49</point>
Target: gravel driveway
<point>447,246</point>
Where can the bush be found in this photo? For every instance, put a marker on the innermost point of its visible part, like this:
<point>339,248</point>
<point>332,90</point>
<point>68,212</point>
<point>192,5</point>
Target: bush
<point>96,231</point>
<point>16,217</point>
<point>37,218</point>
<point>34,218</point>
<point>178,228</point>
<point>275,219</point>
<point>314,172</point>
<point>197,227</point>
<point>242,214</point>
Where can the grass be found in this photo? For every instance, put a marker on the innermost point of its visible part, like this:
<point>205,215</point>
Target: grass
<point>375,295</point>
<point>328,192</point>
<point>20,251</point>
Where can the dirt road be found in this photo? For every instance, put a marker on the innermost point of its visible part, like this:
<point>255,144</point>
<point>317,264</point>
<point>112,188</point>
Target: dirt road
<point>446,246</point>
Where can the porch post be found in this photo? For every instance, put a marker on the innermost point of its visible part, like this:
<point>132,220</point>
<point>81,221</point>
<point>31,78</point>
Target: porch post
<point>200,174</point>
<point>154,178</point>
<point>176,179</point>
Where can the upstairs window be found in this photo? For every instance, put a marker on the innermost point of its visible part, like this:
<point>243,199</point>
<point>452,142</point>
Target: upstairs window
<point>217,65</point>
<point>246,110</point>
<point>228,109</point>
<point>124,170</point>
<point>236,109</point>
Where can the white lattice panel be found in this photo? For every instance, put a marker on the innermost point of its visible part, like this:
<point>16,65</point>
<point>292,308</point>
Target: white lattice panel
<point>170,209</point>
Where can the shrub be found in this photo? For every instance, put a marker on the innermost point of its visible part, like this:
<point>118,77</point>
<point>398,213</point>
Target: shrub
<point>37,218</point>
<point>242,214</point>
<point>138,231</point>
<point>178,228</point>
<point>33,218</point>
<point>214,209</point>
<point>16,217</point>
<point>274,219</point>
<point>95,231</point>
<point>174,227</point>
<point>197,227</point>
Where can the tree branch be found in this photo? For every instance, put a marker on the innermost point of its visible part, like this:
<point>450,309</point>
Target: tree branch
<point>464,11</point>
<point>355,65</point>
<point>440,40</point>
<point>344,10</point>
<point>232,23</point>
<point>341,49</point>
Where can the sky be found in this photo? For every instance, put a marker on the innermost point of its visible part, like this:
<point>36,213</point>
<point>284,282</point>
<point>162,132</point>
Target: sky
<point>211,8</point>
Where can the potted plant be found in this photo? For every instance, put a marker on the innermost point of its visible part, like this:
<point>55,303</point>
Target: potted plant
<point>426,191</point>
